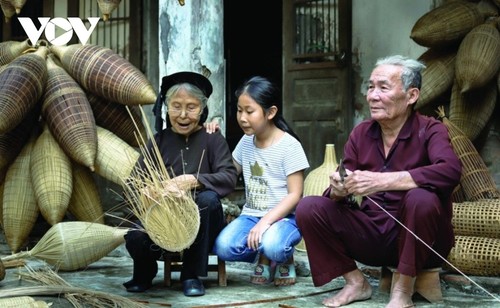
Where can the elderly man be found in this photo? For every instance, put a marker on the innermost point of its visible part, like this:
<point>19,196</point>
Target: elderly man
<point>403,165</point>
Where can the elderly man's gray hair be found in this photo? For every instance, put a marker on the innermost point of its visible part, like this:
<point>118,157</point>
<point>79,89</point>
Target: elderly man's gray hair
<point>411,74</point>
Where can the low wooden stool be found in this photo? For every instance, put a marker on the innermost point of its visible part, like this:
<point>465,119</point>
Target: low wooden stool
<point>427,283</point>
<point>173,263</point>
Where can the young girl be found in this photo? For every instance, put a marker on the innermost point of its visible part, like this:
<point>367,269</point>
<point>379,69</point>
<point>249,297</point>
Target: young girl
<point>273,161</point>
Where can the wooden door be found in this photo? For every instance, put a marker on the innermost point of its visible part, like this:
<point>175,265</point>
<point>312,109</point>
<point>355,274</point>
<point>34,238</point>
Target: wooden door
<point>317,94</point>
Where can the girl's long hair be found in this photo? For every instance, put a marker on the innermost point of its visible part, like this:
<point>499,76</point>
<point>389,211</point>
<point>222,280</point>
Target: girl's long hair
<point>266,94</point>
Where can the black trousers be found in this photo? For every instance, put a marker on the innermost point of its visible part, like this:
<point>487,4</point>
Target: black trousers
<point>145,252</point>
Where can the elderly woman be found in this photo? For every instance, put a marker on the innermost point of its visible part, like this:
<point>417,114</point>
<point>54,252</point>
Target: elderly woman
<point>195,159</point>
<point>404,166</point>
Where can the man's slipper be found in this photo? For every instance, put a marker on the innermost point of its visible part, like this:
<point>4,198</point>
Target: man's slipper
<point>261,274</point>
<point>193,287</point>
<point>285,275</point>
<point>137,287</point>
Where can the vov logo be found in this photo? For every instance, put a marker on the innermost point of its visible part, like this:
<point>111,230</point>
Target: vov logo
<point>69,25</point>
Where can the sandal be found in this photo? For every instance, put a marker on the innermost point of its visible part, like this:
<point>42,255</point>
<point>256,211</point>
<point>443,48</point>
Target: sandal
<point>261,274</point>
<point>285,275</point>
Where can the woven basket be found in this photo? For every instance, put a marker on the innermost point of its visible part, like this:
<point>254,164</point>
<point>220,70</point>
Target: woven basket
<point>476,180</point>
<point>458,195</point>
<point>107,6</point>
<point>22,301</point>
<point>69,116</point>
<point>73,245</point>
<point>477,218</point>
<point>102,72</point>
<point>115,158</point>
<point>477,60</point>
<point>472,110</point>
<point>21,85</point>
<point>12,49</point>
<point>18,5</point>
<point>446,24</point>
<point>8,10</point>
<point>19,208</point>
<point>438,76</point>
<point>319,179</point>
<point>51,176</point>
<point>115,118</point>
<point>474,255</point>
<point>85,203</point>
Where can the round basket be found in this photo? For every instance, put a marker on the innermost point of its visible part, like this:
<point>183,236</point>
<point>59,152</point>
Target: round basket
<point>474,255</point>
<point>318,179</point>
<point>477,218</point>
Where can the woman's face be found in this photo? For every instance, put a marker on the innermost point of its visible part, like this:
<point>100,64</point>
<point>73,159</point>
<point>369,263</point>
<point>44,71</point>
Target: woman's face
<point>386,96</point>
<point>250,115</point>
<point>184,113</point>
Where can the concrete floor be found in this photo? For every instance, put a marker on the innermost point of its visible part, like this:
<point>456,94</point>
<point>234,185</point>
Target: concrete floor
<point>108,274</point>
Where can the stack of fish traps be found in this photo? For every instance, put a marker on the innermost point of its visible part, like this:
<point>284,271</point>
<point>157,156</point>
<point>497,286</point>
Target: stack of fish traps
<point>69,116</point>
<point>462,81</point>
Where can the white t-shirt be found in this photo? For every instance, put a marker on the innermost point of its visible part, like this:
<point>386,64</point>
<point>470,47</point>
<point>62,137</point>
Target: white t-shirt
<point>265,171</point>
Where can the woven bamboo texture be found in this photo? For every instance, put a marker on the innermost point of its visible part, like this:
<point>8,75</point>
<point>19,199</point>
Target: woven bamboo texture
<point>8,10</point>
<point>107,7</point>
<point>319,179</point>
<point>474,255</point>
<point>21,85</point>
<point>85,203</point>
<point>476,180</point>
<point>73,245</point>
<point>52,178</point>
<point>471,111</point>
<point>446,24</point>
<point>477,60</point>
<point>18,5</point>
<point>458,194</point>
<point>115,118</point>
<point>12,49</point>
<point>101,71</point>
<point>477,218</point>
<point>115,158</point>
<point>438,76</point>
<point>19,208</point>
<point>69,116</point>
<point>22,301</point>
<point>13,141</point>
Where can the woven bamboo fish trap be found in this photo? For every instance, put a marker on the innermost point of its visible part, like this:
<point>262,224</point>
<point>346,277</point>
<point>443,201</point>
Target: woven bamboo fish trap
<point>12,49</point>
<point>52,178</point>
<point>19,208</point>
<point>319,179</point>
<point>472,110</point>
<point>8,10</point>
<point>458,195</point>
<point>107,6</point>
<point>22,301</point>
<point>477,60</point>
<point>69,116</point>
<point>73,245</point>
<point>115,118</point>
<point>18,5</point>
<point>446,24</point>
<point>476,180</point>
<point>13,141</point>
<point>475,255</point>
<point>85,203</point>
<point>477,218</point>
<point>21,86</point>
<point>438,76</point>
<point>102,72</point>
<point>115,158</point>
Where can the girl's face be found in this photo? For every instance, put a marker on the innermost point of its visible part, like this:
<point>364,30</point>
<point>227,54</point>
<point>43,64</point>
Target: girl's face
<point>251,116</point>
<point>184,113</point>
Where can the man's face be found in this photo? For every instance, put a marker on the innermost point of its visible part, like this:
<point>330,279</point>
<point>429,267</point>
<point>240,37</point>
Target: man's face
<point>386,96</point>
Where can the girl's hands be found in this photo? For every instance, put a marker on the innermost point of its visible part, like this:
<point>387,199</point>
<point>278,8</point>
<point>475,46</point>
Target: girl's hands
<point>256,233</point>
<point>211,127</point>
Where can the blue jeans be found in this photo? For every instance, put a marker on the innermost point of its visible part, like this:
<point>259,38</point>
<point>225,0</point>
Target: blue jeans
<point>277,242</point>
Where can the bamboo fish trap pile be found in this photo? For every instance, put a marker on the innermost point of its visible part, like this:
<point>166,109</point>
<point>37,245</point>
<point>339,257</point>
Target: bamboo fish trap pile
<point>170,217</point>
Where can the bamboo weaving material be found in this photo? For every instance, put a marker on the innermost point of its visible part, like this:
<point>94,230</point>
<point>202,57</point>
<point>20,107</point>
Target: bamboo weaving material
<point>477,218</point>
<point>11,49</point>
<point>474,255</point>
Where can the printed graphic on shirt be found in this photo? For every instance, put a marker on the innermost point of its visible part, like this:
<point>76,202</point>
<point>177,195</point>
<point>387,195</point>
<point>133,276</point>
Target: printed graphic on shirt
<point>257,188</point>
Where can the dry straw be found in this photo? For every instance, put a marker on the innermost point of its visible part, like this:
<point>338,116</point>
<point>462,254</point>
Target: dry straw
<point>69,116</point>
<point>19,209</point>
<point>73,245</point>
<point>477,218</point>
<point>476,180</point>
<point>169,216</point>
<point>51,176</point>
<point>446,24</point>
<point>474,255</point>
<point>21,85</point>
